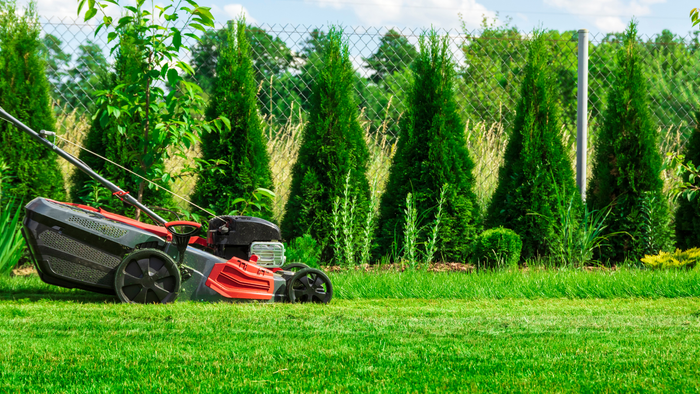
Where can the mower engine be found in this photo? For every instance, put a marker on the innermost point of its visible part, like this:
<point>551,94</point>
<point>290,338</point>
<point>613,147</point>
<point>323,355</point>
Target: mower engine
<point>245,236</point>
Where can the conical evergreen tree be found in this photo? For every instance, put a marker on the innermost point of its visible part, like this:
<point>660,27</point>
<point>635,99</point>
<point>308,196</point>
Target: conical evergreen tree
<point>431,153</point>
<point>106,141</point>
<point>627,164</point>
<point>536,175</point>
<point>688,213</point>
<point>24,93</point>
<point>242,147</point>
<point>332,146</point>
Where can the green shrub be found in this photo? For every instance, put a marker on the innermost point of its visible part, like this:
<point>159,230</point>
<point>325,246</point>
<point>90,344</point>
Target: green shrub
<point>688,213</point>
<point>332,146</point>
<point>677,259</point>
<point>431,153</point>
<point>498,247</point>
<point>536,178</point>
<point>627,164</point>
<point>305,250</point>
<point>24,93</point>
<point>105,140</point>
<point>242,147</point>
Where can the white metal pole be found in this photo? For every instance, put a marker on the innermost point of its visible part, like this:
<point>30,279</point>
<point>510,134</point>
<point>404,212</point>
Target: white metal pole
<point>582,113</point>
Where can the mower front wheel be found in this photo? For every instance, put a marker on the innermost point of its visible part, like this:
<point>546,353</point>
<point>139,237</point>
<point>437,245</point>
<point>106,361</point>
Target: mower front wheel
<point>310,285</point>
<point>147,276</point>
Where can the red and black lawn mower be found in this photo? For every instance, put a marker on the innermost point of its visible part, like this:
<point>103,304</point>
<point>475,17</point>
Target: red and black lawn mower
<point>77,246</point>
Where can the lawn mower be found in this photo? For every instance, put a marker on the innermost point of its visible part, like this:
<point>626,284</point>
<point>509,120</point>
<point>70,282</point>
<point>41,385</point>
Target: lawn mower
<point>241,259</point>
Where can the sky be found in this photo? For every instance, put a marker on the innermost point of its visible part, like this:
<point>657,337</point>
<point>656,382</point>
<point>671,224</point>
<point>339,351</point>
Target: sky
<point>598,16</point>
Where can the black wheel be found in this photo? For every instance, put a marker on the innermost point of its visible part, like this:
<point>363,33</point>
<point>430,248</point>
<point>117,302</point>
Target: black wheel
<point>310,285</point>
<point>294,267</point>
<point>147,276</point>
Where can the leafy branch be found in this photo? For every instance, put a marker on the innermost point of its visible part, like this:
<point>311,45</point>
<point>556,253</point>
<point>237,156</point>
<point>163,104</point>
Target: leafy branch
<point>152,119</point>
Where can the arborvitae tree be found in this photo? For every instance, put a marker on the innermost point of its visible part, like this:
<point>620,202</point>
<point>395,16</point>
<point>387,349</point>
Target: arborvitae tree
<point>24,93</point>
<point>106,141</point>
<point>688,213</point>
<point>431,153</point>
<point>332,147</point>
<point>243,147</point>
<point>627,164</point>
<point>536,176</point>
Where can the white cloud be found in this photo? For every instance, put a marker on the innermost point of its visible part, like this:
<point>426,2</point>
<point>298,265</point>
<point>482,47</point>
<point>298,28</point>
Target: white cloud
<point>607,15</point>
<point>235,10</point>
<point>439,13</point>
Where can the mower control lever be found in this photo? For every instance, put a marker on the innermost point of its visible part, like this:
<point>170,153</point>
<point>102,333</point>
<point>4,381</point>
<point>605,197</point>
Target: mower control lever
<point>182,239</point>
<point>172,226</point>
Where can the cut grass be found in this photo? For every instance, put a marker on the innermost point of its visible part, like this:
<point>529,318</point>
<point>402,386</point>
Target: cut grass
<point>391,346</point>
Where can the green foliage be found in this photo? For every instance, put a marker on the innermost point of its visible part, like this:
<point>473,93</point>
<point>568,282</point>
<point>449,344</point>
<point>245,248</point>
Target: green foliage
<point>497,247</point>
<point>688,213</point>
<point>431,153</point>
<point>270,56</point>
<point>107,141</point>
<point>495,68</point>
<point>83,80</point>
<point>153,121</point>
<point>678,259</point>
<point>577,237</point>
<point>393,55</point>
<point>11,240</point>
<point>74,86</point>
<point>243,146</point>
<point>627,164</point>
<point>24,93</point>
<point>258,205</point>
<point>332,146</point>
<point>536,174</point>
<point>305,250</point>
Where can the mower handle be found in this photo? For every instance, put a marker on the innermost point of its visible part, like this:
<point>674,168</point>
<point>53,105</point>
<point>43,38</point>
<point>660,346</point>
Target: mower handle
<point>40,138</point>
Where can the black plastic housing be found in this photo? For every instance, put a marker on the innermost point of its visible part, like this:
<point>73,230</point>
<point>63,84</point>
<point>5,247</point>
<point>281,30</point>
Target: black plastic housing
<point>231,236</point>
<point>77,248</point>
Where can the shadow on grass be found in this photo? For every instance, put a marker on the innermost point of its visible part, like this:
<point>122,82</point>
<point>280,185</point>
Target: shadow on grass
<point>31,288</point>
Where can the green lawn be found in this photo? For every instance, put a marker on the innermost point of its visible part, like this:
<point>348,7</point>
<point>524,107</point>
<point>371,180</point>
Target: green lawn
<point>54,340</point>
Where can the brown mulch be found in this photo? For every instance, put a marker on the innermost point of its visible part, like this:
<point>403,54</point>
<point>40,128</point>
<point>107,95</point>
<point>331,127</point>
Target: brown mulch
<point>397,267</point>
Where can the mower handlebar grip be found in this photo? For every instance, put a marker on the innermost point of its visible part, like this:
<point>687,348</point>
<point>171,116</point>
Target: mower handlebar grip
<point>196,226</point>
<point>183,223</point>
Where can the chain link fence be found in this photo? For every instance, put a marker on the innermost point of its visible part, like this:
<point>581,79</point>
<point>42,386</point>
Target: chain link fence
<point>489,64</point>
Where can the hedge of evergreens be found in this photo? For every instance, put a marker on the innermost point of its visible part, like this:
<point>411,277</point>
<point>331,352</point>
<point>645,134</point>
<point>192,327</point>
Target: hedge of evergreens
<point>243,147</point>
<point>627,165</point>
<point>332,146</point>
<point>24,93</point>
<point>431,153</point>
<point>536,176</point>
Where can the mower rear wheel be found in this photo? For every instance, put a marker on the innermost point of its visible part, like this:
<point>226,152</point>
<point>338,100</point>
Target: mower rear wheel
<point>147,276</point>
<point>294,267</point>
<point>310,285</point>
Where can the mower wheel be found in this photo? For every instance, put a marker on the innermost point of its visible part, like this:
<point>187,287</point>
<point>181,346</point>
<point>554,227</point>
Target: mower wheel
<point>147,276</point>
<point>294,267</point>
<point>310,285</point>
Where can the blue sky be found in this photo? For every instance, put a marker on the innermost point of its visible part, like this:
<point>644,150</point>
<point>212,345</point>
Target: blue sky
<point>596,15</point>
